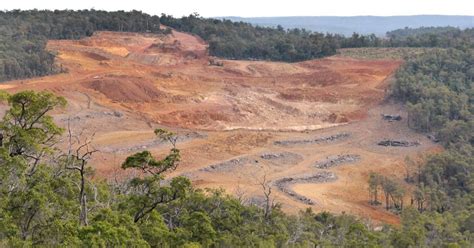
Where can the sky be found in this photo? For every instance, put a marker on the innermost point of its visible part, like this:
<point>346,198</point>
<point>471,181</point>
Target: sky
<point>259,8</point>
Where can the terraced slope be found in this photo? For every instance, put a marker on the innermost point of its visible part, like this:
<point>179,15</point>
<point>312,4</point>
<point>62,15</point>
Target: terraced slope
<point>234,120</point>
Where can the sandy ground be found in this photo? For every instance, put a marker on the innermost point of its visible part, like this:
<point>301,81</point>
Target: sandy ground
<point>120,86</point>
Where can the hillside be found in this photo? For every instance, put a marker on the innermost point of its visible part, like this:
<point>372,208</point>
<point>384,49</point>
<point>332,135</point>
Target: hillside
<point>378,25</point>
<point>237,123</point>
<point>122,129</point>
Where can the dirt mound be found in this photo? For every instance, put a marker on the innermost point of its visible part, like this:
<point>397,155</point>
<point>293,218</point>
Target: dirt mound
<point>126,89</point>
<point>96,56</point>
<point>164,47</point>
<point>149,59</point>
<point>335,118</point>
<point>193,117</point>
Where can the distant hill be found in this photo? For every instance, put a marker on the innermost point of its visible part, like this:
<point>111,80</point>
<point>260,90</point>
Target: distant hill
<point>378,25</point>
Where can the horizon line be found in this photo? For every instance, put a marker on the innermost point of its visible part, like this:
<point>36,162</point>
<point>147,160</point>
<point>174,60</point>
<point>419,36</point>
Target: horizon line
<point>237,16</point>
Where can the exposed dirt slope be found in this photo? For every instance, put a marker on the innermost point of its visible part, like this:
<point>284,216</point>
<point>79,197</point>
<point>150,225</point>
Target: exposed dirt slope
<point>169,79</point>
<point>231,118</point>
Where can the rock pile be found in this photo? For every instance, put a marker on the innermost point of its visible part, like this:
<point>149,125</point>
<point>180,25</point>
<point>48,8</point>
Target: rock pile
<point>336,160</point>
<point>229,165</point>
<point>284,184</point>
<point>283,158</point>
<point>401,143</point>
<point>391,118</point>
<point>318,140</point>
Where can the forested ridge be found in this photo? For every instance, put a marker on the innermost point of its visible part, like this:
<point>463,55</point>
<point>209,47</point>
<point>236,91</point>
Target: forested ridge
<point>431,37</point>
<point>239,40</point>
<point>437,88</point>
<point>23,36</point>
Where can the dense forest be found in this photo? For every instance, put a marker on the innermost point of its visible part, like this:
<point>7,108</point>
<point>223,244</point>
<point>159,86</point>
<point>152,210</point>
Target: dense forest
<point>239,40</point>
<point>437,88</point>
<point>431,37</point>
<point>346,25</point>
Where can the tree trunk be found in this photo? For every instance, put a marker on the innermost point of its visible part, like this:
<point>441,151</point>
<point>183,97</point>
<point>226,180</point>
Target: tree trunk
<point>83,199</point>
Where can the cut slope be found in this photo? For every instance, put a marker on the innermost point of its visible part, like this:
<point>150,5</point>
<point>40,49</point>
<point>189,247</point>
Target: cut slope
<point>174,70</point>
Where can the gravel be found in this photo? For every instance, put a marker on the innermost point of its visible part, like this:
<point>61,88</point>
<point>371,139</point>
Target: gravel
<point>282,158</point>
<point>317,140</point>
<point>336,160</point>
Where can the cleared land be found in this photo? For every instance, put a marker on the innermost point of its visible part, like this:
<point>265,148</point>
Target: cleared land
<point>238,121</point>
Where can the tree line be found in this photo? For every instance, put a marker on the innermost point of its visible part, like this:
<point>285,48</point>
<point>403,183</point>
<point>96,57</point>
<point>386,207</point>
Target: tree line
<point>23,36</point>
<point>446,37</point>
<point>436,87</point>
<point>239,40</point>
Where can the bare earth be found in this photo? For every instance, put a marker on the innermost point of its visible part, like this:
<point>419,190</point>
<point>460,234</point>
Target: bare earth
<point>238,122</point>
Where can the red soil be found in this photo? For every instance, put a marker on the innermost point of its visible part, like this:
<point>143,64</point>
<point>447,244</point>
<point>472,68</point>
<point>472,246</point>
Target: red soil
<point>244,105</point>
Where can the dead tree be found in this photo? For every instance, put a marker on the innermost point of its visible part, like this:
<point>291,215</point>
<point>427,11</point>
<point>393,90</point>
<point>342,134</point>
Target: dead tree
<point>78,155</point>
<point>239,193</point>
<point>269,203</point>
